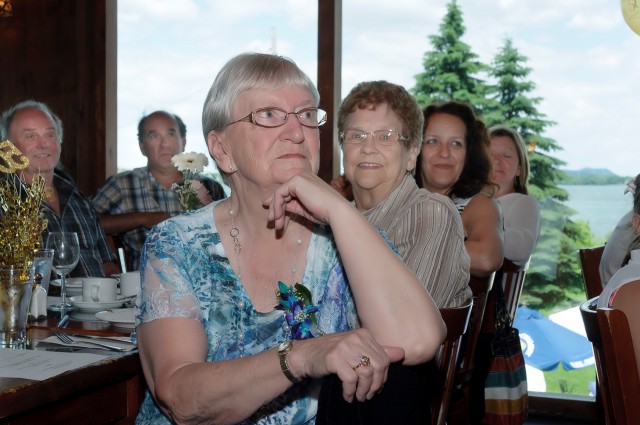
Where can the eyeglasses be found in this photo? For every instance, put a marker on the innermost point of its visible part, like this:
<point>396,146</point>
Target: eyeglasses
<point>275,117</point>
<point>381,137</point>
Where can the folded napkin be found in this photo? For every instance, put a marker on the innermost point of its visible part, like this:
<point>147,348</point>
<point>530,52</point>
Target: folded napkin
<point>118,341</point>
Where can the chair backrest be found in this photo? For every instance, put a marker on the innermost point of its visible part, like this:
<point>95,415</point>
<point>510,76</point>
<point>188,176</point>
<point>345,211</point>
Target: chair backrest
<point>459,407</point>
<point>480,288</point>
<point>592,329</point>
<point>627,300</point>
<point>511,277</point>
<point>456,319</point>
<point>616,362</point>
<point>590,263</point>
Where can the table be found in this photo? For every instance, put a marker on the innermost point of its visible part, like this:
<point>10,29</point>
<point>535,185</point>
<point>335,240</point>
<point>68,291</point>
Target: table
<point>107,392</point>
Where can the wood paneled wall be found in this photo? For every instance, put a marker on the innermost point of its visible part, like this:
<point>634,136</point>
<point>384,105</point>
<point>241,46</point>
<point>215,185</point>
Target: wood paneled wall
<point>55,51</point>
<point>63,53</point>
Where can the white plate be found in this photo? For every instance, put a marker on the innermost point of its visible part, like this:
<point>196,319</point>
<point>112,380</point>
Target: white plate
<point>121,317</point>
<point>69,282</point>
<point>91,307</point>
<point>72,284</point>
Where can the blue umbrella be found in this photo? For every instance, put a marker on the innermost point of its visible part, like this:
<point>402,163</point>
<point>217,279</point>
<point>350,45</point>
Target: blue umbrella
<point>546,344</point>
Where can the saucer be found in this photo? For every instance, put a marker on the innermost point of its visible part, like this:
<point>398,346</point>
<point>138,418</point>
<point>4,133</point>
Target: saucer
<point>91,307</point>
<point>120,318</point>
<point>73,285</point>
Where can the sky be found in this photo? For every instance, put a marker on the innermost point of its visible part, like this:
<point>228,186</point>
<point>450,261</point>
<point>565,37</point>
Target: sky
<point>584,60</point>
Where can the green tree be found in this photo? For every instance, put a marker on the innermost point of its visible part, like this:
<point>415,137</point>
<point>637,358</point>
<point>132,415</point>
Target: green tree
<point>554,274</point>
<point>451,68</point>
<point>452,72</point>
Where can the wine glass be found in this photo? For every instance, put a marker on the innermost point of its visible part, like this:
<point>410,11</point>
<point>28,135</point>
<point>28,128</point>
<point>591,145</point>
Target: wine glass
<point>66,253</point>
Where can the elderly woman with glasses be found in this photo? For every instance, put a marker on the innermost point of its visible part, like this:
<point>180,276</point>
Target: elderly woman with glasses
<point>380,126</point>
<point>246,302</point>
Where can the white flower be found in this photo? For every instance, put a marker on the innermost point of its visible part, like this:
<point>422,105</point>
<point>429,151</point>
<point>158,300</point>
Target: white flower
<point>190,161</point>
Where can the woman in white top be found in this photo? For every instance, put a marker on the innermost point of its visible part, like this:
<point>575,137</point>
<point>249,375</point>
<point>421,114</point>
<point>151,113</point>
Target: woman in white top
<point>520,212</point>
<point>631,270</point>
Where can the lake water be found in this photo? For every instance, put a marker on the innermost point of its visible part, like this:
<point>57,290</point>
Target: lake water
<point>600,206</point>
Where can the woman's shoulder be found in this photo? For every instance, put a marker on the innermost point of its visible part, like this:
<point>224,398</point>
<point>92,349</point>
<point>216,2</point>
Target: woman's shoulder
<point>482,200</point>
<point>429,200</point>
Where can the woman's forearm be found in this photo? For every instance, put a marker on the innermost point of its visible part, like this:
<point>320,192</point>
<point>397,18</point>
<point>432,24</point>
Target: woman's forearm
<point>391,302</point>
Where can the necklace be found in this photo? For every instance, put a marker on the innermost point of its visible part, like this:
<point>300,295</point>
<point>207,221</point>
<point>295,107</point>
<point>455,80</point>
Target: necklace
<point>237,247</point>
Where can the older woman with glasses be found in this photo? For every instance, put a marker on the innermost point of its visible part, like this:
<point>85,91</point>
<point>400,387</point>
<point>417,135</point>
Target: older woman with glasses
<point>246,302</point>
<point>380,126</point>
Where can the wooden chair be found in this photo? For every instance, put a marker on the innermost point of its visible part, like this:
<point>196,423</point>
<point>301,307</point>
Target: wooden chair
<point>627,300</point>
<point>616,364</point>
<point>590,319</point>
<point>457,320</point>
<point>511,277</point>
<point>459,406</point>
<point>590,263</point>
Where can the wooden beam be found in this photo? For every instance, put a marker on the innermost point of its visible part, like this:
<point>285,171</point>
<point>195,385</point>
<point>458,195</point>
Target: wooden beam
<point>329,83</point>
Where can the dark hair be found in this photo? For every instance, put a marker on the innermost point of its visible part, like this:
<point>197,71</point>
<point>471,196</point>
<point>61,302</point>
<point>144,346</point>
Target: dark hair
<point>476,172</point>
<point>635,243</point>
<point>182,127</point>
<point>165,113</point>
<point>369,94</point>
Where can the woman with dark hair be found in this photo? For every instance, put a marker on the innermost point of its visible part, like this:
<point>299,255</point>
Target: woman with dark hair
<point>454,161</point>
<point>520,211</point>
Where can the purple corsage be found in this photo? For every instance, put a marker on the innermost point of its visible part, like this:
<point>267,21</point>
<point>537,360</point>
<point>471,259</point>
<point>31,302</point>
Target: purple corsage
<point>299,311</point>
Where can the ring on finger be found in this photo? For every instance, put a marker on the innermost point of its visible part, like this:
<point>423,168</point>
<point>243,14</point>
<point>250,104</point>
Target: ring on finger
<point>364,361</point>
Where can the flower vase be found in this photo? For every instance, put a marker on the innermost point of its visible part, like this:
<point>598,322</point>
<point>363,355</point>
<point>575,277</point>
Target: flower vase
<point>16,284</point>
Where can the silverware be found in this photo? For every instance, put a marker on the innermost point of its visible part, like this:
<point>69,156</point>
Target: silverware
<point>63,322</point>
<point>68,340</point>
<point>103,338</point>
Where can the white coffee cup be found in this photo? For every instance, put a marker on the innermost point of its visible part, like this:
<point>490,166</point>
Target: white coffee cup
<point>130,284</point>
<point>99,289</point>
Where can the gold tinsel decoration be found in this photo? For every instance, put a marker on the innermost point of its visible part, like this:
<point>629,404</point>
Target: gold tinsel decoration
<point>21,223</point>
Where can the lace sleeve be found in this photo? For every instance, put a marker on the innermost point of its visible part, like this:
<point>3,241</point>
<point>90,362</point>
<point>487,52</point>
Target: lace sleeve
<point>166,285</point>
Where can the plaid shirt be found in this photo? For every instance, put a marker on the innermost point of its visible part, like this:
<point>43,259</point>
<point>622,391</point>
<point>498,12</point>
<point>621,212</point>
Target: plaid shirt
<point>77,215</point>
<point>139,191</point>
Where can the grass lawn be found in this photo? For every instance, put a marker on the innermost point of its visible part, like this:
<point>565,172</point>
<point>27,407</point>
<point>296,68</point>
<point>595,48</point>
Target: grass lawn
<point>570,381</point>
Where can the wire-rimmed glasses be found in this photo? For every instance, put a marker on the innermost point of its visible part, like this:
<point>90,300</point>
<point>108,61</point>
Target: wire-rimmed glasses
<point>380,137</point>
<point>275,117</point>
<point>66,254</point>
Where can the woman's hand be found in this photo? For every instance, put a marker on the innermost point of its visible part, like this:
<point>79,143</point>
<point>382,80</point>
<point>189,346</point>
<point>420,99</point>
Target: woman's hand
<point>343,186</point>
<point>306,195</point>
<point>356,357</point>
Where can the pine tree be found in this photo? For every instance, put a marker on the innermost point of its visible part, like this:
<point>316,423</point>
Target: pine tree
<point>554,274</point>
<point>450,69</point>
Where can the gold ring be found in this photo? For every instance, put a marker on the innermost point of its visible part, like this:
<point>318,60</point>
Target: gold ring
<point>364,361</point>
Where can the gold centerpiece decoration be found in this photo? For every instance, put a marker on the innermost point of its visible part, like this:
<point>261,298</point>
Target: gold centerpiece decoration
<point>21,226</point>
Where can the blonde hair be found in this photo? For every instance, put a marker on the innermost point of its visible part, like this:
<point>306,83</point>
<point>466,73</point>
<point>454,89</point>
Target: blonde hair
<point>521,182</point>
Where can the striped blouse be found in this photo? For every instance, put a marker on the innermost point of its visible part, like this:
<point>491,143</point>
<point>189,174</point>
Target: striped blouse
<point>427,231</point>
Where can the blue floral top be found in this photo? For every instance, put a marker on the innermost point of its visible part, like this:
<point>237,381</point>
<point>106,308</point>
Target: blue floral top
<point>186,273</point>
